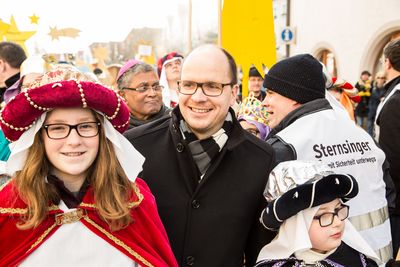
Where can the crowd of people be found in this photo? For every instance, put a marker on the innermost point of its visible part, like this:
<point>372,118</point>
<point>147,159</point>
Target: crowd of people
<point>167,166</point>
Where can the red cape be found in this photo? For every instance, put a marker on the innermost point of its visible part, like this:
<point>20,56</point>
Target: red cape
<point>144,241</point>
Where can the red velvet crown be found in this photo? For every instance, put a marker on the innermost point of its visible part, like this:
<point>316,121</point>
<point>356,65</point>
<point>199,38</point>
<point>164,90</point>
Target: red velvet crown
<point>23,110</point>
<point>165,58</point>
<point>346,86</point>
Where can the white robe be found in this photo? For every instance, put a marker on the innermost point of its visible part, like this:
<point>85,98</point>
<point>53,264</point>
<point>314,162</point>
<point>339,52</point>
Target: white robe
<point>76,245</point>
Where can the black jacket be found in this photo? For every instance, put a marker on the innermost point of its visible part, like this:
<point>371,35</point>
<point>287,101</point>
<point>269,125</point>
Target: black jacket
<point>164,111</point>
<point>375,99</point>
<point>214,222</point>
<point>389,124</point>
<point>285,152</point>
<point>361,109</point>
<point>10,81</point>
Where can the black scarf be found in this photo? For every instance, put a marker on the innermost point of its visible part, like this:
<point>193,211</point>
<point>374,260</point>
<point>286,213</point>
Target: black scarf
<point>204,151</point>
<point>164,111</point>
<point>71,199</point>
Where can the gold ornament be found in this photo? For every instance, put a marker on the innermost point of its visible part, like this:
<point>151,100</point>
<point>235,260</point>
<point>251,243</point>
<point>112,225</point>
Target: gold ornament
<point>34,19</point>
<point>66,32</point>
<point>11,33</point>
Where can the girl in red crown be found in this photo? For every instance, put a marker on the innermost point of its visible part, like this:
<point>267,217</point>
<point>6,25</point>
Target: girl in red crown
<point>74,199</point>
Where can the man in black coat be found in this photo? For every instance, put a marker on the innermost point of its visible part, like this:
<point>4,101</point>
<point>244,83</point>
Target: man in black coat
<point>255,83</point>
<point>388,120</point>
<point>306,126</point>
<point>207,174</point>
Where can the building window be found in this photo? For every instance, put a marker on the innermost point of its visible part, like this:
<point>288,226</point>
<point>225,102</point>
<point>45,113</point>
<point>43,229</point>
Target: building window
<point>328,58</point>
<point>378,63</point>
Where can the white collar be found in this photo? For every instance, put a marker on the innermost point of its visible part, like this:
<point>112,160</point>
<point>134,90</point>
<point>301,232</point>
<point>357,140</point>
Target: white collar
<point>310,256</point>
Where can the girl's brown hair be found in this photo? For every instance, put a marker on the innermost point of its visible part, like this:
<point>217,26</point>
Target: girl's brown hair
<point>111,187</point>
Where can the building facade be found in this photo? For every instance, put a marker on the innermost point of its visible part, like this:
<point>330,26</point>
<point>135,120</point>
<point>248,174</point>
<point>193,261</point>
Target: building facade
<point>348,36</point>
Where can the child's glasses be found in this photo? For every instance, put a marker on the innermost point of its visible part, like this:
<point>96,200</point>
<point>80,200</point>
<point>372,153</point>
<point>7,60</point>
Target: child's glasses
<point>326,219</point>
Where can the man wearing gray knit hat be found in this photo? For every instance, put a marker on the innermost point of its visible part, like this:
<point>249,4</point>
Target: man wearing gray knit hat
<point>306,126</point>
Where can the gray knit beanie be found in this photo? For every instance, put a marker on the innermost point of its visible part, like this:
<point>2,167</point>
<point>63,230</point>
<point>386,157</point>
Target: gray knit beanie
<point>299,78</point>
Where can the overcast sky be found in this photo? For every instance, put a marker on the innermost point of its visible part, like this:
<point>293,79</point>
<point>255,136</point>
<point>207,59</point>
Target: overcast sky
<point>99,21</point>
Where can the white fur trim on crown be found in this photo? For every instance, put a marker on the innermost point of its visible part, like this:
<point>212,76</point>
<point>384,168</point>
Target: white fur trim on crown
<point>312,195</point>
<point>352,185</point>
<point>129,158</point>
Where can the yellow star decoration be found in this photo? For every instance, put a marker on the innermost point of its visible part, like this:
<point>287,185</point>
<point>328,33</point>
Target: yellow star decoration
<point>101,53</point>
<point>3,28</point>
<point>11,33</point>
<point>34,19</point>
<point>66,32</point>
<point>253,22</point>
<point>54,33</point>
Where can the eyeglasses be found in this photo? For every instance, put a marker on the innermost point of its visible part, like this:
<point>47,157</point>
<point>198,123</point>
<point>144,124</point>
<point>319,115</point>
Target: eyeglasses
<point>61,130</point>
<point>208,88</point>
<point>326,219</point>
<point>145,88</point>
<point>380,77</point>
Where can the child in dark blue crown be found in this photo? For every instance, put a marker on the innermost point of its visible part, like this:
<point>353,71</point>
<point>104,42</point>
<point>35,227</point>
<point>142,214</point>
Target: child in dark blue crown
<point>306,204</point>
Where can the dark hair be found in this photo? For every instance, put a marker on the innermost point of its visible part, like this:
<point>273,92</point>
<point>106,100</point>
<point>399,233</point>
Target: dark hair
<point>97,71</point>
<point>365,72</point>
<point>232,66</point>
<point>12,53</point>
<point>392,53</point>
<point>253,72</point>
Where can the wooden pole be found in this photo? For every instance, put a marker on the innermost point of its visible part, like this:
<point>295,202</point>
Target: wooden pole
<point>288,24</point>
<point>189,47</point>
<point>220,22</point>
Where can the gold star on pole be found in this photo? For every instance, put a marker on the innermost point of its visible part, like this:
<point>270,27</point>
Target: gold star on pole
<point>13,34</point>
<point>34,19</point>
<point>54,33</point>
<point>239,19</point>
<point>65,32</point>
<point>3,28</point>
<point>101,54</point>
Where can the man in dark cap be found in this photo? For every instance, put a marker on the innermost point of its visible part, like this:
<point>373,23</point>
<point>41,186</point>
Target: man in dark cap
<point>255,83</point>
<point>306,126</point>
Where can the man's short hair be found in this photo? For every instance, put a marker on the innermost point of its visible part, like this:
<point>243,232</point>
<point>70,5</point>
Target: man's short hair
<point>232,66</point>
<point>140,67</point>
<point>12,53</point>
<point>365,72</point>
<point>392,53</point>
